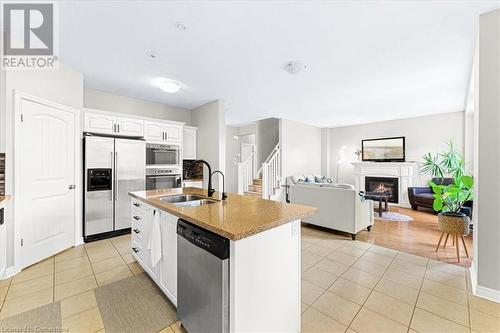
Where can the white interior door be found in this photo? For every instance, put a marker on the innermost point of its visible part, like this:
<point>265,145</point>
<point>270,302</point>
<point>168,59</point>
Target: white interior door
<point>247,150</point>
<point>45,167</point>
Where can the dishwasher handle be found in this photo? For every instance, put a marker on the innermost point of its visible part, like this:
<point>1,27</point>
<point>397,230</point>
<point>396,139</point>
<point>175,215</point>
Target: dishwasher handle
<point>204,239</point>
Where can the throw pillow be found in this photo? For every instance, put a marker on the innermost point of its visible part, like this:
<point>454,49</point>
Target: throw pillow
<point>320,179</point>
<point>309,178</point>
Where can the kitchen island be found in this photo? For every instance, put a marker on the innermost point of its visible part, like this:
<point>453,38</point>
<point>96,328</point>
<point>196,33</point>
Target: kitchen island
<point>264,252</point>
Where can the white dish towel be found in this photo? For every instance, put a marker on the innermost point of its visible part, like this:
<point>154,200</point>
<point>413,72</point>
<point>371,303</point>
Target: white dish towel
<point>154,245</point>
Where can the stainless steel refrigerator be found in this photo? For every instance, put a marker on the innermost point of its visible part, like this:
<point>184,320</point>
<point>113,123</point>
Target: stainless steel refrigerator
<point>113,167</point>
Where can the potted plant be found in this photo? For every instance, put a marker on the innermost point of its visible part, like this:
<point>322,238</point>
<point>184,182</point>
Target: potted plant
<point>449,201</point>
<point>448,163</point>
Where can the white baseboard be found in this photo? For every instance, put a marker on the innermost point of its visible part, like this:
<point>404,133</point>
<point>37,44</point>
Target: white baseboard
<point>488,293</point>
<point>9,271</point>
<point>483,292</point>
<point>79,242</point>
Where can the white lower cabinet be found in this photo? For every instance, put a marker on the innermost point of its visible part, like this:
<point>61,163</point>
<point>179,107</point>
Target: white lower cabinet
<point>147,224</point>
<point>164,274</point>
<point>168,263</point>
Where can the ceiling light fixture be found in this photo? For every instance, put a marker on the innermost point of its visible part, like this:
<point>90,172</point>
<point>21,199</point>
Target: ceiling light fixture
<point>180,26</point>
<point>168,85</point>
<point>293,67</point>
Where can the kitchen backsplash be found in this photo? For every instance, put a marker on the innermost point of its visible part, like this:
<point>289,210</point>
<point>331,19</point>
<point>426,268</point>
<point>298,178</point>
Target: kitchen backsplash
<point>2,173</point>
<point>196,171</point>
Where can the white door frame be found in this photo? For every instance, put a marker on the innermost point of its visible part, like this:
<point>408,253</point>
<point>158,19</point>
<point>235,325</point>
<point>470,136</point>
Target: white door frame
<point>78,192</point>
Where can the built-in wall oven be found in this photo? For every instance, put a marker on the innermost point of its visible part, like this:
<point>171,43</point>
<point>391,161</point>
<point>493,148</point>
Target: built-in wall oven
<point>162,178</point>
<point>160,154</point>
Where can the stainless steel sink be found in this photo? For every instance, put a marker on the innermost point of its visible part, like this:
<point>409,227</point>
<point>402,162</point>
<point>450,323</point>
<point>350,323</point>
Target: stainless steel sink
<point>196,203</point>
<point>188,200</point>
<point>182,198</point>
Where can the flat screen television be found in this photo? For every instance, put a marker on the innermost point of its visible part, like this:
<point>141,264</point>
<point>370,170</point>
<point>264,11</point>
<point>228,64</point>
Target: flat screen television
<point>383,149</point>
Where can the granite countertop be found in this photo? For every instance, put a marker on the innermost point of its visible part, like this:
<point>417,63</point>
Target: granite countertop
<point>4,198</point>
<point>235,218</point>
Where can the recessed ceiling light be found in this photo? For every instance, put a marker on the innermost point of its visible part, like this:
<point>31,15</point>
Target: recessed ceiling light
<point>293,67</point>
<point>168,85</point>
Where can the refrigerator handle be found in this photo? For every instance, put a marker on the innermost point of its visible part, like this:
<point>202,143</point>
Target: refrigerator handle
<point>112,192</point>
<point>116,172</point>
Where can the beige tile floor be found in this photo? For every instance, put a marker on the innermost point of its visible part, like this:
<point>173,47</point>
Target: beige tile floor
<point>71,277</point>
<point>347,286</point>
<point>352,286</point>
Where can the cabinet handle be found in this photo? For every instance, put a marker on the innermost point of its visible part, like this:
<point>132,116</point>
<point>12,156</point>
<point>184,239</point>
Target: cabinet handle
<point>137,204</point>
<point>135,249</point>
<point>137,218</point>
<point>118,128</point>
<point>137,231</point>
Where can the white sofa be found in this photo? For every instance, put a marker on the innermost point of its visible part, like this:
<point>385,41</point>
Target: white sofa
<point>339,206</point>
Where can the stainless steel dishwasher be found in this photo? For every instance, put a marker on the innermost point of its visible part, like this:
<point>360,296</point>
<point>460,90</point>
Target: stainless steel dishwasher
<point>202,279</point>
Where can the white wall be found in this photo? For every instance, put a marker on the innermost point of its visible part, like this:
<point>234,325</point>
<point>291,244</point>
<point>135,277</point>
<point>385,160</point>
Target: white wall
<point>210,120</point>
<point>423,134</point>
<point>267,137</point>
<point>98,99</point>
<point>486,267</point>
<point>64,86</point>
<point>325,152</point>
<point>300,148</point>
<point>232,150</point>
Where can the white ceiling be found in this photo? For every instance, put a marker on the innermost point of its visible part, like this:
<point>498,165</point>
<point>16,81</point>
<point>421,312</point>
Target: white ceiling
<point>367,61</point>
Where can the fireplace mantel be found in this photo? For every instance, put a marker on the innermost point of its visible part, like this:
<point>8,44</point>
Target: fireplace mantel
<point>406,172</point>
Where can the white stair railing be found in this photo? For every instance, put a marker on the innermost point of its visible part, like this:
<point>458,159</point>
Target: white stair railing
<point>245,174</point>
<point>271,175</point>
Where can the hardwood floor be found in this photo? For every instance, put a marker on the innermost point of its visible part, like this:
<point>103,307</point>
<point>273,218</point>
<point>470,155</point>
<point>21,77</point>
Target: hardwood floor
<point>418,237</point>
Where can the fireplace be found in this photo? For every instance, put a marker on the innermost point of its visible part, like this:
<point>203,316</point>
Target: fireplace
<point>383,185</point>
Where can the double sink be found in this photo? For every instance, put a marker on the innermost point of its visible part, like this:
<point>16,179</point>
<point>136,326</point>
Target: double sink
<point>188,200</point>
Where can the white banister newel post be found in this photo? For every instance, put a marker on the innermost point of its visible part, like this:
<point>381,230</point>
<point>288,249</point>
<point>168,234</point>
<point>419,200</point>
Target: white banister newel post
<point>265,181</point>
<point>241,180</point>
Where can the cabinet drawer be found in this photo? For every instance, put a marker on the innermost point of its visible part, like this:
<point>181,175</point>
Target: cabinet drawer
<point>138,205</point>
<point>137,250</point>
<point>137,217</point>
<point>137,233</point>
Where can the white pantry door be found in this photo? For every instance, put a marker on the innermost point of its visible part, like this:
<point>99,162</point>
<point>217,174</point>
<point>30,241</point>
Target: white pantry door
<point>45,195</point>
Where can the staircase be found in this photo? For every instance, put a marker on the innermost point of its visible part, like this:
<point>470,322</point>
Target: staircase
<point>266,182</point>
<point>255,190</point>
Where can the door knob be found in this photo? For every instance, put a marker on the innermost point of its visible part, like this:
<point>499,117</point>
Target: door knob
<point>72,187</point>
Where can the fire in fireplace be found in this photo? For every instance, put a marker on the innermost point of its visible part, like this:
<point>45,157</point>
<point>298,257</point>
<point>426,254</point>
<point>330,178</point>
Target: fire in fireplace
<point>383,185</point>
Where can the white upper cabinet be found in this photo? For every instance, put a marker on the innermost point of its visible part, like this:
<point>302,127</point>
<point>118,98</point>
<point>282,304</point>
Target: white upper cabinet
<point>154,131</point>
<point>189,143</point>
<point>130,126</point>
<point>99,123</point>
<point>162,131</point>
<point>110,124</point>
<point>173,132</point>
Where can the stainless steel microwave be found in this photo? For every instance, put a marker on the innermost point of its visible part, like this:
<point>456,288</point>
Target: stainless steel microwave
<point>158,154</point>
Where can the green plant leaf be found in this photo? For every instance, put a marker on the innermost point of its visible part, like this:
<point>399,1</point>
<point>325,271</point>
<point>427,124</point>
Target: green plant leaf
<point>437,204</point>
<point>468,181</point>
